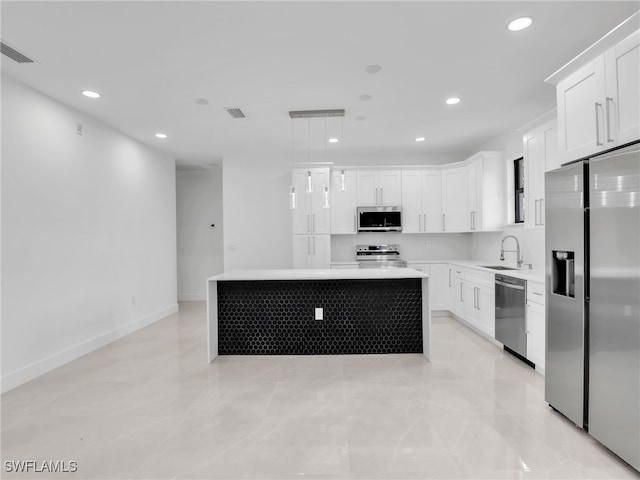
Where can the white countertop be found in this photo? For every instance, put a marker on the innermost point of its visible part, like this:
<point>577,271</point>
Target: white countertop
<point>319,274</point>
<point>534,275</point>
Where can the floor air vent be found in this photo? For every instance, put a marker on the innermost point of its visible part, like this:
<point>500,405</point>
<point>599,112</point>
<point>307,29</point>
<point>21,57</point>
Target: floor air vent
<point>13,54</point>
<point>235,112</point>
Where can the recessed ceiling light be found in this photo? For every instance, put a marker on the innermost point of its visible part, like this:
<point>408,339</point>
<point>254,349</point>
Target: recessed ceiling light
<point>520,24</point>
<point>161,135</point>
<point>91,94</point>
<point>373,68</point>
<point>365,98</point>
<point>452,101</point>
<point>420,139</point>
<point>333,140</point>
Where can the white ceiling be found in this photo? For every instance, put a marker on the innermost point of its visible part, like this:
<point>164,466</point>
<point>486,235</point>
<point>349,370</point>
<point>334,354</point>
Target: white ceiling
<point>151,60</point>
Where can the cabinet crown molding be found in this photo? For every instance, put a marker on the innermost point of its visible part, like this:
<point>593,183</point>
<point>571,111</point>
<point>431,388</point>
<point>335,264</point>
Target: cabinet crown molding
<point>607,41</point>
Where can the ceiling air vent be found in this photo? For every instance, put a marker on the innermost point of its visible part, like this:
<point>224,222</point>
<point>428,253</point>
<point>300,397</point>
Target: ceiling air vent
<point>235,112</point>
<point>13,54</point>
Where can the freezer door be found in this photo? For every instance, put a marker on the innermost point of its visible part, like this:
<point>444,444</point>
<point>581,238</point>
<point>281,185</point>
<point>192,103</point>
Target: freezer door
<point>614,318</point>
<point>565,315</point>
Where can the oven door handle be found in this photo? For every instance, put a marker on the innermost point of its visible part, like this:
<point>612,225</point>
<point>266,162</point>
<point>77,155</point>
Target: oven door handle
<point>508,285</point>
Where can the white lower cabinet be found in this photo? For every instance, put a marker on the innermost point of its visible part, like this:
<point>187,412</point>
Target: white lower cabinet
<point>536,328</point>
<point>311,251</point>
<point>479,297</point>
<point>457,301</point>
<point>439,286</point>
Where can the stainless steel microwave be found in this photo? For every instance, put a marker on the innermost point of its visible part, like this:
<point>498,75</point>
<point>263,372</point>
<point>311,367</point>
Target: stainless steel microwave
<point>379,219</point>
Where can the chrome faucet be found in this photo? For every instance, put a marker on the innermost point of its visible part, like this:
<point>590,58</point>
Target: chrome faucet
<point>518,257</point>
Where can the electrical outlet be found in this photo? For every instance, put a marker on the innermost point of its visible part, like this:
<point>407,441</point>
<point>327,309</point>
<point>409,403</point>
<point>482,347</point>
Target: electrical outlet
<point>319,314</point>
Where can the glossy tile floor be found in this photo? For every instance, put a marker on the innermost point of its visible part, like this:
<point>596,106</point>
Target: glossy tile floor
<point>150,407</point>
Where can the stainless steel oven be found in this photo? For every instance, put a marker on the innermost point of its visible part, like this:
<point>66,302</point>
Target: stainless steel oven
<point>379,256</point>
<point>510,314</point>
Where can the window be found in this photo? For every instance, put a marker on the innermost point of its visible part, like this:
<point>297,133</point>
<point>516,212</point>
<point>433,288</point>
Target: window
<point>518,184</point>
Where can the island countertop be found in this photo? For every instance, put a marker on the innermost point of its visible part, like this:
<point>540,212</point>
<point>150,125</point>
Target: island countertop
<point>319,274</point>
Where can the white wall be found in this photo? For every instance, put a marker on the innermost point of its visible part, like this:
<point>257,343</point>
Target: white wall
<point>200,247</point>
<point>257,219</point>
<point>88,234</point>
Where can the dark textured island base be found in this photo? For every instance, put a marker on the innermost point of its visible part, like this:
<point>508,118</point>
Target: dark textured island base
<point>360,316</point>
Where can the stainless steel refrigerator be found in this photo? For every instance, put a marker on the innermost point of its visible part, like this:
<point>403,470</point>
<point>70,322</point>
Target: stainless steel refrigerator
<point>593,297</point>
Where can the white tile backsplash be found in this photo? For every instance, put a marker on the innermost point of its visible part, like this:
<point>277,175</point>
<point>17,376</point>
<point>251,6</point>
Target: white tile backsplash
<point>419,246</point>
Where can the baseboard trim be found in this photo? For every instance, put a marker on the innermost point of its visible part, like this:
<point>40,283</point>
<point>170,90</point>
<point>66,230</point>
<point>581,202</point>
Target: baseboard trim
<point>25,374</point>
<point>191,297</point>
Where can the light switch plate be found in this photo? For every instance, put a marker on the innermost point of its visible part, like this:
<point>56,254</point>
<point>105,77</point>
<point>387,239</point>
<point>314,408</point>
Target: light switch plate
<point>319,314</point>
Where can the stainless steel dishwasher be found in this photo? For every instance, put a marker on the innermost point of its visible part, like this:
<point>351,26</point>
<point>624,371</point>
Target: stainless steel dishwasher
<point>510,314</point>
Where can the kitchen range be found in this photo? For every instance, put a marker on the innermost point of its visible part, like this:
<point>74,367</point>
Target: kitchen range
<point>379,256</point>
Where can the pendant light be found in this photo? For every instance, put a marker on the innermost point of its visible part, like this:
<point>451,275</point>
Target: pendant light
<point>309,180</point>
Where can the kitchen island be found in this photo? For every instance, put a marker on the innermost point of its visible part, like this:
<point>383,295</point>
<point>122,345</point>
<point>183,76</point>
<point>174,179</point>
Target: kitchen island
<point>318,312</point>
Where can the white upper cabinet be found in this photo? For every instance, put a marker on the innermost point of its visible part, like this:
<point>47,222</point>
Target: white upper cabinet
<point>486,196</point>
<point>310,214</point>
<point>540,149</point>
<point>580,111</point>
<point>599,104</point>
<point>622,103</point>
<point>343,201</point>
<point>455,200</point>
<point>421,201</point>
<point>378,187</point>
<point>474,180</point>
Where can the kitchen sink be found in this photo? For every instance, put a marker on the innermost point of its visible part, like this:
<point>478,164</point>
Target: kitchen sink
<point>498,267</point>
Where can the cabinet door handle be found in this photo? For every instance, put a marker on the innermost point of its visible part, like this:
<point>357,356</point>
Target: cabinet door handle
<point>537,293</point>
<point>598,143</point>
<point>461,299</point>
<point>376,202</point>
<point>450,277</point>
<point>478,298</point>
<point>308,245</point>
<point>424,222</point>
<point>308,223</point>
<point>542,211</point>
<point>419,223</point>
<point>535,211</point>
<point>443,229</point>
<point>608,120</point>
<point>381,196</point>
